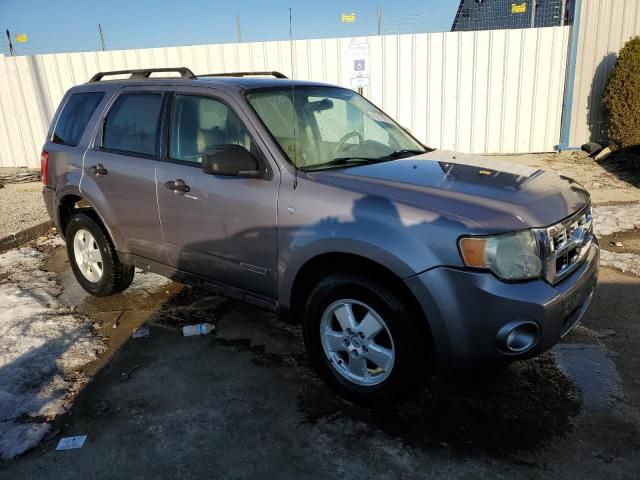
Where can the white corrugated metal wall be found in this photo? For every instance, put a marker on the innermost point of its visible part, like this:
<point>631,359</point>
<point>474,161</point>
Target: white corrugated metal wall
<point>605,26</point>
<point>494,91</point>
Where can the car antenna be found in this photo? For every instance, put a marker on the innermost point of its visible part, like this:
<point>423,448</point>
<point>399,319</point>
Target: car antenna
<point>293,102</point>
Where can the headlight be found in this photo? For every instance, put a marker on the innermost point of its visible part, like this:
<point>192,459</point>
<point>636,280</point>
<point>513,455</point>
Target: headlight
<point>512,256</point>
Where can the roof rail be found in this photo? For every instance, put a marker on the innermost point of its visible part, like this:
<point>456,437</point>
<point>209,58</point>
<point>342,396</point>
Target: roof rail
<point>272,73</point>
<point>143,73</point>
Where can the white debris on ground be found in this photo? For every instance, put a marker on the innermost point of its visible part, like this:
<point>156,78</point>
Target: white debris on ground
<point>608,219</point>
<point>625,262</point>
<point>42,347</point>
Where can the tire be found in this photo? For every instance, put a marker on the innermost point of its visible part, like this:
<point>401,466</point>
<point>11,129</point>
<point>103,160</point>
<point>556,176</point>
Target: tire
<point>102,278</point>
<point>402,334</point>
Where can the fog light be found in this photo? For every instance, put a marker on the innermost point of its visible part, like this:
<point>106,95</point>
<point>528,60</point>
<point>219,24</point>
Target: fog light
<point>518,336</point>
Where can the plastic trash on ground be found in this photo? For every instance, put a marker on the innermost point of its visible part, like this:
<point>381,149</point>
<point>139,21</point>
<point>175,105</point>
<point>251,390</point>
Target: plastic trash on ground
<point>141,332</point>
<point>69,443</point>
<point>199,329</point>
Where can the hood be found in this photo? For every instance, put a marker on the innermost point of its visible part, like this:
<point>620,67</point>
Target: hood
<point>499,196</point>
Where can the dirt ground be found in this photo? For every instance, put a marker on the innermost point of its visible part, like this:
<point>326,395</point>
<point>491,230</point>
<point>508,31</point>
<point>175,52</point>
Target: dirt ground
<point>615,179</point>
<point>242,402</point>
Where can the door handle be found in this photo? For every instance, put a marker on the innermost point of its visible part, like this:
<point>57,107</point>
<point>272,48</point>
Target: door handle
<point>98,170</point>
<point>177,186</point>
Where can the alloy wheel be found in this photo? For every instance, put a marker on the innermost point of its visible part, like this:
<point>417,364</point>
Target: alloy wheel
<point>357,342</point>
<point>87,255</point>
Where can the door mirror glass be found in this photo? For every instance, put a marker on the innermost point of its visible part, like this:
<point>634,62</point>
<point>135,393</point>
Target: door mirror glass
<point>230,160</point>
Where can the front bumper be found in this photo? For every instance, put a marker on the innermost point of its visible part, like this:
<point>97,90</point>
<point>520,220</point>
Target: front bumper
<point>466,310</point>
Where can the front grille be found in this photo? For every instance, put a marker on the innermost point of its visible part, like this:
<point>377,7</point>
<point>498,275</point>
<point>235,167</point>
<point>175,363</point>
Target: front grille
<point>565,244</point>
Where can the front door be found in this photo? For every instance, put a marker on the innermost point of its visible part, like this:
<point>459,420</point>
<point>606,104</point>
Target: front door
<point>119,171</point>
<point>219,227</point>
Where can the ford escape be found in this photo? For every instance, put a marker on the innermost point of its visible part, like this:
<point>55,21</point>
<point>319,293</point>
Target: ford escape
<point>306,199</point>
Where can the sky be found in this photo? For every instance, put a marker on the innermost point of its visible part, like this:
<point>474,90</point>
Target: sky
<point>72,25</point>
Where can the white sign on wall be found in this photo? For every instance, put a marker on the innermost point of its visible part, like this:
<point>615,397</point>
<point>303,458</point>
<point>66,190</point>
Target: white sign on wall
<point>358,67</point>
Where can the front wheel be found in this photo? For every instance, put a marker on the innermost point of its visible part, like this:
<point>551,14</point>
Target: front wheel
<point>93,258</point>
<point>363,341</point>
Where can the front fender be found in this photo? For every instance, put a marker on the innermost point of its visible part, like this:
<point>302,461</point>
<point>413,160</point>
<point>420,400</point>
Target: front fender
<point>317,218</point>
<point>292,261</point>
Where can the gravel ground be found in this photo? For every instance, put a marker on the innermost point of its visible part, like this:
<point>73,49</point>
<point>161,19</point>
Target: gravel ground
<point>21,207</point>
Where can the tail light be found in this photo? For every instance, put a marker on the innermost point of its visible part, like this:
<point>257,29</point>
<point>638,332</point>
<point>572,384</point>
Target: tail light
<point>44,167</point>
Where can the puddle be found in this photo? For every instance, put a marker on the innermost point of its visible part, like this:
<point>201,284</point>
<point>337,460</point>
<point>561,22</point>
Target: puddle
<point>500,412</point>
<point>147,292</point>
<point>189,306</point>
<point>592,371</point>
<point>513,409</point>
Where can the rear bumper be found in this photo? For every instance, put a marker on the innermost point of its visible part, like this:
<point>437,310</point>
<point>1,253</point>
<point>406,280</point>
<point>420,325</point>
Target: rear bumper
<point>49,195</point>
<point>466,311</point>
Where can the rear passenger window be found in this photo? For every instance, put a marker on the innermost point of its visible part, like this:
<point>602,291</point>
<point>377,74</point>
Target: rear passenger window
<point>132,124</point>
<point>74,117</point>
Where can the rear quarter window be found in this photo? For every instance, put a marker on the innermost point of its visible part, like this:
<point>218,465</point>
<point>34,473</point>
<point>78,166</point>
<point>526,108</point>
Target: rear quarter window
<point>132,124</point>
<point>75,116</point>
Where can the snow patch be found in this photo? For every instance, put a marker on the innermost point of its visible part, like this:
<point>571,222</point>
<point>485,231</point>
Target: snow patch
<point>608,219</point>
<point>147,283</point>
<point>625,262</point>
<point>42,346</point>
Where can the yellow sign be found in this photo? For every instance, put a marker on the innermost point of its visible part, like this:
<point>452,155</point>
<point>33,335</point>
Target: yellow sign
<point>519,7</point>
<point>21,38</point>
<point>348,17</point>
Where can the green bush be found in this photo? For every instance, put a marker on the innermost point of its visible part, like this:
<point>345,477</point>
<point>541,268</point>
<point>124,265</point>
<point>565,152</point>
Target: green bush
<point>622,97</point>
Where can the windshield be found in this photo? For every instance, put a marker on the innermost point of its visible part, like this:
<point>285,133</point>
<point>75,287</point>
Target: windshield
<point>333,127</point>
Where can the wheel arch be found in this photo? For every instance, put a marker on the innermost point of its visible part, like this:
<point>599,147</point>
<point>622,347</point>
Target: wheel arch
<point>73,203</point>
<point>319,266</point>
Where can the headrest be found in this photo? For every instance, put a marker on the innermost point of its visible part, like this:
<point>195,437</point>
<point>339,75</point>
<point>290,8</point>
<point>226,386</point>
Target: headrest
<point>211,114</point>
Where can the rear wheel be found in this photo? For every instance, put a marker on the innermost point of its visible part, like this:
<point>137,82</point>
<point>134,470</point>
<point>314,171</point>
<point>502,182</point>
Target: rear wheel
<point>363,340</point>
<point>93,258</point>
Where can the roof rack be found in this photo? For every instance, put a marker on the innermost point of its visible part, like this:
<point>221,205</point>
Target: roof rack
<point>143,73</point>
<point>245,74</point>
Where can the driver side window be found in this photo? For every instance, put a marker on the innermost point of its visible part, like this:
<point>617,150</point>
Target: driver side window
<point>201,122</point>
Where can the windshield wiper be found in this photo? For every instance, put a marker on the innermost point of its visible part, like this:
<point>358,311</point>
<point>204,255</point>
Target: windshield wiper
<point>399,153</point>
<point>341,161</point>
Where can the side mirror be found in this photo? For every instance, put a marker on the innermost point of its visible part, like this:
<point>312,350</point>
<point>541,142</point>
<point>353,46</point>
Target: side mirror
<point>230,160</point>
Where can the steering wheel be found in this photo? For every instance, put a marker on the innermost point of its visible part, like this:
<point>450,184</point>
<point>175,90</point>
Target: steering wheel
<point>343,140</point>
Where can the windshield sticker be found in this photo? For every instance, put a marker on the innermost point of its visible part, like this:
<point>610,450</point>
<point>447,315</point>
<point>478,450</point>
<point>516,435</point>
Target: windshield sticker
<point>379,117</point>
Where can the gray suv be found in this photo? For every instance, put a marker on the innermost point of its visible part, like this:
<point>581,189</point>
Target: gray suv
<point>306,199</point>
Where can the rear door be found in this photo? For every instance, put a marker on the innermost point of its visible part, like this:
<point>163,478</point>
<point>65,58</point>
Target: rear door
<point>119,170</point>
<point>70,133</point>
<point>223,228</point>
